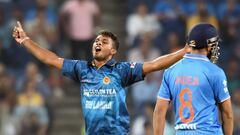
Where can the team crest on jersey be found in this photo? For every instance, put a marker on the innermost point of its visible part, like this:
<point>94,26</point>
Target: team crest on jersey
<point>106,80</point>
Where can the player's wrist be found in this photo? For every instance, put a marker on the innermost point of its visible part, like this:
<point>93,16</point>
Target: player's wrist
<point>24,40</point>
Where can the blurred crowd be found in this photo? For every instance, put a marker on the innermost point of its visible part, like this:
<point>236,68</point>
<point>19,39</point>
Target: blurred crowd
<point>67,27</point>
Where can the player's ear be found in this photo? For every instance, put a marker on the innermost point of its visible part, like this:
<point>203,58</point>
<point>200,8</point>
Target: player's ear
<point>113,51</point>
<point>209,49</point>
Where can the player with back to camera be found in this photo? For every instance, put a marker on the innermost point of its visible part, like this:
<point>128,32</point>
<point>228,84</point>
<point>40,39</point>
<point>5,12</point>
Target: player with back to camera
<point>196,87</point>
<point>103,80</point>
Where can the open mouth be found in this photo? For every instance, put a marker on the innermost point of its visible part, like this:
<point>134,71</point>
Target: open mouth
<point>98,49</point>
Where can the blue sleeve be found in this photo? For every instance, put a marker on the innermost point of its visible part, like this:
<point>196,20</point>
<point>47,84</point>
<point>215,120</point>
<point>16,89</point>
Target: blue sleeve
<point>164,91</point>
<point>130,72</point>
<point>72,68</point>
<point>220,87</point>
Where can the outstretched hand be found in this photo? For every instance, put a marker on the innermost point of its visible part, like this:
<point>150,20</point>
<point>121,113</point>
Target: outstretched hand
<point>19,34</point>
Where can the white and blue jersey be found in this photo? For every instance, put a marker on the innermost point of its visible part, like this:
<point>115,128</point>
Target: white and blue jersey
<point>103,93</point>
<point>195,86</point>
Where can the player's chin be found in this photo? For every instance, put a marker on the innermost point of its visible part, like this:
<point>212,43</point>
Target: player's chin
<point>98,57</point>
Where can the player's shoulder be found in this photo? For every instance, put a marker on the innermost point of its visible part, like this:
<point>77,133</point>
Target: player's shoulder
<point>174,66</point>
<point>125,64</point>
<point>77,63</point>
<point>214,71</point>
<point>213,68</point>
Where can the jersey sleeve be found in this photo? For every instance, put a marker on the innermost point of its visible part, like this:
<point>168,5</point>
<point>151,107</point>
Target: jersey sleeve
<point>221,92</point>
<point>164,91</point>
<point>130,72</point>
<point>72,68</point>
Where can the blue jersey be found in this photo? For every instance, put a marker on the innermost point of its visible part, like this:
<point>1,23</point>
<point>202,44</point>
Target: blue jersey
<point>103,93</point>
<point>195,86</point>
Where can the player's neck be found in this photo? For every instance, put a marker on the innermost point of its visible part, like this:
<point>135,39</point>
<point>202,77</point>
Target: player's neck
<point>100,63</point>
<point>202,51</point>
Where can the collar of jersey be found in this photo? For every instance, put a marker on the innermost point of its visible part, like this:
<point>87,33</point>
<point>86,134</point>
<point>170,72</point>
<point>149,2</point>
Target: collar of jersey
<point>110,63</point>
<point>196,56</point>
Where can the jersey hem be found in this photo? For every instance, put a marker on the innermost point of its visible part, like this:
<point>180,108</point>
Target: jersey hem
<point>163,98</point>
<point>225,99</point>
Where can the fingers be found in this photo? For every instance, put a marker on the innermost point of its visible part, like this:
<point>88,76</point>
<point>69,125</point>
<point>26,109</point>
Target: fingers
<point>19,25</point>
<point>15,29</point>
<point>15,34</point>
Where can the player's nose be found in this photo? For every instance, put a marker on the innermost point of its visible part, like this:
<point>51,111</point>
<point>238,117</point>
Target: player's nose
<point>99,44</point>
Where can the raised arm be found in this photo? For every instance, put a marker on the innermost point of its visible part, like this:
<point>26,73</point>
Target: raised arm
<point>159,115</point>
<point>42,54</point>
<point>164,61</point>
<point>227,117</point>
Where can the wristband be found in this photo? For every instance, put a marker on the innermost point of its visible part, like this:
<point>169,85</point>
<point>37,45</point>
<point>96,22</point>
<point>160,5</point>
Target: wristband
<point>24,40</point>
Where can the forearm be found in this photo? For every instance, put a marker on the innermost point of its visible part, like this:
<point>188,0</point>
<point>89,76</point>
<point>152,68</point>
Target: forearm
<point>158,123</point>
<point>227,124</point>
<point>167,60</point>
<point>227,116</point>
<point>43,54</point>
<point>163,62</point>
<point>159,116</point>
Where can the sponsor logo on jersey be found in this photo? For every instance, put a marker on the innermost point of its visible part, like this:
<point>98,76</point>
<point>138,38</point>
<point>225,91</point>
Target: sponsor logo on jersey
<point>85,81</point>
<point>106,80</point>
<point>99,92</point>
<point>186,126</point>
<point>98,105</point>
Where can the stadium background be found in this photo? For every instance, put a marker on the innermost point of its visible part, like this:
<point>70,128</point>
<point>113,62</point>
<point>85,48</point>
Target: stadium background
<point>37,100</point>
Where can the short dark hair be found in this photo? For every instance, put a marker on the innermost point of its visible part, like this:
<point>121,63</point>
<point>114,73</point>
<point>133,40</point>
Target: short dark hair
<point>112,36</point>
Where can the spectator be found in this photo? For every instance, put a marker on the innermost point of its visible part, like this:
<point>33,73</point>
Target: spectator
<point>172,44</point>
<point>149,87</point>
<point>188,7</point>
<point>4,31</point>
<point>236,111</point>
<point>45,32</point>
<point>49,13</point>
<point>141,124</point>
<point>170,16</point>
<point>236,49</point>
<point>148,128</point>
<point>229,12</point>
<point>32,73</point>
<point>141,22</point>
<point>145,50</point>
<point>7,121</point>
<point>233,75</point>
<point>79,18</point>
<point>22,55</point>
<point>55,83</point>
<point>202,15</point>
<point>31,125</point>
<point>30,101</point>
<point>5,36</point>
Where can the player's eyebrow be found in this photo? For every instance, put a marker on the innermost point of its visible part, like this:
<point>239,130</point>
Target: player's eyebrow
<point>105,40</point>
<point>97,39</point>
